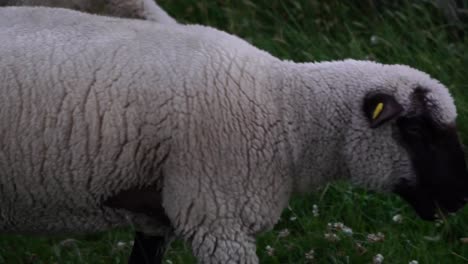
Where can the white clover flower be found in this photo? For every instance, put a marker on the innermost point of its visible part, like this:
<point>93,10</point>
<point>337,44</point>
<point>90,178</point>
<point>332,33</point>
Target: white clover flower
<point>413,262</point>
<point>374,40</point>
<point>283,233</point>
<point>397,218</point>
<point>315,210</point>
<point>373,238</point>
<point>378,259</point>
<point>347,231</point>
<point>332,237</point>
<point>338,226</point>
<point>270,251</point>
<point>310,255</point>
<point>121,245</point>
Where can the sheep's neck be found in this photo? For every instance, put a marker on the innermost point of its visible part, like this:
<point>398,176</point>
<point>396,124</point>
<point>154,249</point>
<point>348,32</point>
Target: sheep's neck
<point>315,119</point>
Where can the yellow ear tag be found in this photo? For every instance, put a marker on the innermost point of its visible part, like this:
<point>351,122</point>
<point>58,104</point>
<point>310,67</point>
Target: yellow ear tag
<point>378,109</point>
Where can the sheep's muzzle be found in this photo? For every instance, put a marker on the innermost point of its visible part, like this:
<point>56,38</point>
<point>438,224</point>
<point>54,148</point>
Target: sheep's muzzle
<point>438,162</point>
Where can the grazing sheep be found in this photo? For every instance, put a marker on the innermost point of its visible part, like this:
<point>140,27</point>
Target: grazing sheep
<point>142,9</point>
<point>189,131</point>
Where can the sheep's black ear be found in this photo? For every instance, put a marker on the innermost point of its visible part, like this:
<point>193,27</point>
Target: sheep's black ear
<point>380,108</point>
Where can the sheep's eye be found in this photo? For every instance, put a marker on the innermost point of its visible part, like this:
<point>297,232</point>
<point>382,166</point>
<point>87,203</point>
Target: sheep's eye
<point>413,130</point>
<point>409,126</point>
<point>419,130</point>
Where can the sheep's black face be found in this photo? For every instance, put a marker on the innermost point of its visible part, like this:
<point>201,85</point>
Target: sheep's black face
<point>439,163</point>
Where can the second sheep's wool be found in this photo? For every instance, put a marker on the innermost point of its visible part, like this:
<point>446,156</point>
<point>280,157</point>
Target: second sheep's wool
<point>140,9</point>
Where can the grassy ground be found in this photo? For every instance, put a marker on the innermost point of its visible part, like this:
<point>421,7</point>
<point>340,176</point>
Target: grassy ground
<point>413,34</point>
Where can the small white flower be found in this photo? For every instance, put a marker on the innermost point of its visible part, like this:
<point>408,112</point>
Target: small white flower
<point>169,261</point>
<point>413,262</point>
<point>315,210</point>
<point>283,233</point>
<point>376,237</point>
<point>310,255</point>
<point>347,231</point>
<point>121,245</point>
<point>332,237</point>
<point>293,218</point>
<point>270,251</point>
<point>338,226</point>
<point>374,40</point>
<point>378,259</point>
<point>397,218</point>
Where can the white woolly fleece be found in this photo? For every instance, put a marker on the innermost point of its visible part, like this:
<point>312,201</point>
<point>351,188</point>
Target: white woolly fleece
<point>141,9</point>
<point>91,106</point>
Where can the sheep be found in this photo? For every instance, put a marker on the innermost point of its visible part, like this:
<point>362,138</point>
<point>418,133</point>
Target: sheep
<point>141,9</point>
<point>190,132</point>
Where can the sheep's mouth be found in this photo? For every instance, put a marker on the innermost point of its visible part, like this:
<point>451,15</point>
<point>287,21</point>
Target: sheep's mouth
<point>428,204</point>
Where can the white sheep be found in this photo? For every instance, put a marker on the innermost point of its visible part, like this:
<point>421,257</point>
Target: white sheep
<point>141,9</point>
<point>191,132</point>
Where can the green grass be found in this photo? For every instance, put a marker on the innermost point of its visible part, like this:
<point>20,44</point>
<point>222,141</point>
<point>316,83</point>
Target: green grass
<point>403,33</point>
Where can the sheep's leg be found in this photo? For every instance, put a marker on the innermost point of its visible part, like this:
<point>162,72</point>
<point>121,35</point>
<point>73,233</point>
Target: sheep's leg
<point>149,217</point>
<point>148,249</point>
<point>225,246</point>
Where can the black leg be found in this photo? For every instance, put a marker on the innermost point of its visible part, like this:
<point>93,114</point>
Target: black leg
<point>148,249</point>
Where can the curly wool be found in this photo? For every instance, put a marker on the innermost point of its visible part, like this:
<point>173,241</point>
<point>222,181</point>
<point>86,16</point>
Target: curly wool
<point>93,106</point>
<point>140,9</point>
